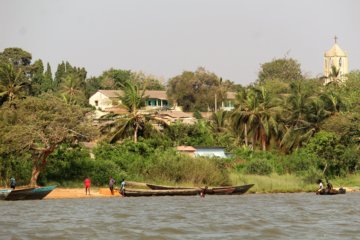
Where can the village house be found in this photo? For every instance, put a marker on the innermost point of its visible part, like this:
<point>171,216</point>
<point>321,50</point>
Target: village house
<point>202,151</point>
<point>229,103</point>
<point>109,99</point>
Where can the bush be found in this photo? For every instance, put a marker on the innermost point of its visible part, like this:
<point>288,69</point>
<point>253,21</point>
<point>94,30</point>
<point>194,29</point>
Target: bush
<point>174,167</point>
<point>312,175</point>
<point>259,167</point>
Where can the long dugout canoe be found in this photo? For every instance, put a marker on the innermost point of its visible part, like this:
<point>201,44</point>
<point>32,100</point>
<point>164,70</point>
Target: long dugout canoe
<point>212,190</point>
<point>173,192</point>
<point>228,190</point>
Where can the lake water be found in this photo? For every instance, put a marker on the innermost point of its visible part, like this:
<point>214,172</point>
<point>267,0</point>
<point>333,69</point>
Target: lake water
<point>250,216</point>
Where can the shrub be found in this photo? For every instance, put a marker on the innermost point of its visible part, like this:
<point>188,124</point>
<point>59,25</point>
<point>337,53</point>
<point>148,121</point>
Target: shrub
<point>259,167</point>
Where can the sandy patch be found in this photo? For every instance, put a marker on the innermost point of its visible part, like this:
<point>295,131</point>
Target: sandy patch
<point>59,193</point>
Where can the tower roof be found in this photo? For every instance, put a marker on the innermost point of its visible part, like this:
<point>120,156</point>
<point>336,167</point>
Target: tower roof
<point>335,51</point>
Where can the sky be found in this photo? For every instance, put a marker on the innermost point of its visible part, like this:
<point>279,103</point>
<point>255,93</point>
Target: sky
<point>231,38</point>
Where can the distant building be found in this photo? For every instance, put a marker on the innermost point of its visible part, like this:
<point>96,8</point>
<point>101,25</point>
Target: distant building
<point>156,99</point>
<point>229,103</point>
<point>106,99</point>
<point>189,150</point>
<point>339,59</point>
<point>103,99</point>
<point>171,116</point>
<point>202,151</point>
<point>210,152</point>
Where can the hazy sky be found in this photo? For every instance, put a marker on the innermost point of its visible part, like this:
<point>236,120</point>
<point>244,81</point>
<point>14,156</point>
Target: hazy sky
<point>166,37</point>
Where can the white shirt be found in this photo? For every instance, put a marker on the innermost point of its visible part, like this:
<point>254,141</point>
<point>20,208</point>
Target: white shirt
<point>321,186</point>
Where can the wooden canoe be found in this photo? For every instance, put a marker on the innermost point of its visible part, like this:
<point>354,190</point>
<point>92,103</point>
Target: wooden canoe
<point>161,187</point>
<point>331,192</point>
<point>231,189</point>
<point>171,192</point>
<point>29,193</point>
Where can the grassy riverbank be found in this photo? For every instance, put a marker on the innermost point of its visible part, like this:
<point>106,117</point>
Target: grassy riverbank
<point>288,183</point>
<point>273,183</point>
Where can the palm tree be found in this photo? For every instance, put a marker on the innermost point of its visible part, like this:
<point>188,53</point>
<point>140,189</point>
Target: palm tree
<point>302,114</point>
<point>256,116</point>
<point>333,78</point>
<point>11,82</point>
<point>133,121</point>
<point>70,89</point>
<point>219,121</point>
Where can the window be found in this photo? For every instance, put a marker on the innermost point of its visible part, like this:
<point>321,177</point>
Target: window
<point>96,103</point>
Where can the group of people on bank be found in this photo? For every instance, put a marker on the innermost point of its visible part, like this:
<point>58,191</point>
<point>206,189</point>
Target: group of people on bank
<point>112,182</point>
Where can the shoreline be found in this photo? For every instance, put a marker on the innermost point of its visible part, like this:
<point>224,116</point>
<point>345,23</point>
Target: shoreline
<point>79,193</point>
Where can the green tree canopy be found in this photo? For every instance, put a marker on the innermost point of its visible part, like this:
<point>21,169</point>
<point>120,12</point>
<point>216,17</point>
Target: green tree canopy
<point>197,90</point>
<point>284,69</point>
<point>38,125</point>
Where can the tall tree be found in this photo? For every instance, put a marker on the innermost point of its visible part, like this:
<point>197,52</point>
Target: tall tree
<point>71,89</point>
<point>37,76</point>
<point>12,82</point>
<point>38,125</point>
<point>195,90</point>
<point>257,116</point>
<point>284,69</point>
<point>16,56</point>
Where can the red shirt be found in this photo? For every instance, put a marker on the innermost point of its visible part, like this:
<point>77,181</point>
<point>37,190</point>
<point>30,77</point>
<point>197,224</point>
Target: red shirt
<point>87,182</point>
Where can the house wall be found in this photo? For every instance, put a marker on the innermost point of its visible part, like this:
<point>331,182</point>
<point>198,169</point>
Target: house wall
<point>227,105</point>
<point>102,101</point>
<point>210,152</point>
<point>155,103</point>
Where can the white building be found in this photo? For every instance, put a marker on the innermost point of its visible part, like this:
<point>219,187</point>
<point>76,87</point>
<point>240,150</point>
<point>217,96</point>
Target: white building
<point>338,59</point>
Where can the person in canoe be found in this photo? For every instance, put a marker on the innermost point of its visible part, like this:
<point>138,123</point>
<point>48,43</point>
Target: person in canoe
<point>203,191</point>
<point>329,186</point>
<point>321,186</point>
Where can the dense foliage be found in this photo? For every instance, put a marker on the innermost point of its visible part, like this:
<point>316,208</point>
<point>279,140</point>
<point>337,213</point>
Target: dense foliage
<point>283,123</point>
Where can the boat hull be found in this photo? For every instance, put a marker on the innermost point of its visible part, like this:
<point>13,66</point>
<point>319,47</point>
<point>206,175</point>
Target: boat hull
<point>331,192</point>
<point>149,193</point>
<point>229,190</point>
<point>29,193</point>
<point>179,191</point>
<point>4,193</point>
<point>160,187</point>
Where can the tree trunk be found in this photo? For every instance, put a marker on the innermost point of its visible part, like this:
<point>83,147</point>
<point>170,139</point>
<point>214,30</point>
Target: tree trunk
<point>215,102</point>
<point>245,135</point>
<point>135,133</point>
<point>39,164</point>
<point>263,141</point>
<point>34,176</point>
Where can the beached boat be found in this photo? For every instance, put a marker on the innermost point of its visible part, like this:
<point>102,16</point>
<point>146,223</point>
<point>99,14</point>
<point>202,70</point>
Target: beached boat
<point>229,189</point>
<point>29,193</point>
<point>331,192</point>
<point>4,193</point>
<point>212,190</point>
<point>171,192</point>
<point>162,187</point>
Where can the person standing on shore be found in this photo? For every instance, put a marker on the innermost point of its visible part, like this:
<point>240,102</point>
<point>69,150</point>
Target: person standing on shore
<point>12,183</point>
<point>87,183</point>
<point>122,187</point>
<point>111,185</point>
